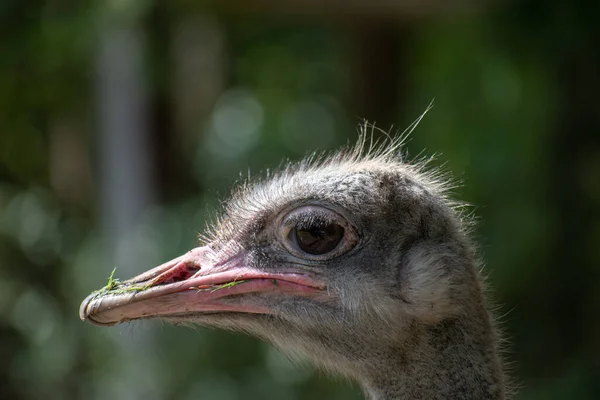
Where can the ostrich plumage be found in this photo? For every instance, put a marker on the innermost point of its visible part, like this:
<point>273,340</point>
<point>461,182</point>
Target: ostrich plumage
<point>357,260</point>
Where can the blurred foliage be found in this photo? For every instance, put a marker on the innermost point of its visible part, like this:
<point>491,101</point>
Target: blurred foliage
<point>515,118</point>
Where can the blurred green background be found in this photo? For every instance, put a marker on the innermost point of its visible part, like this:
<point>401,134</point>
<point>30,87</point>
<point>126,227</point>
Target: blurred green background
<point>122,124</point>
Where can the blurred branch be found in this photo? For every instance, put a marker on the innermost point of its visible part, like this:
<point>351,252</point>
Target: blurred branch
<point>379,9</point>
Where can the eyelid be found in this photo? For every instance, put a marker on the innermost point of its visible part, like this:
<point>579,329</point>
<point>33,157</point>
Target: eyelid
<point>307,219</point>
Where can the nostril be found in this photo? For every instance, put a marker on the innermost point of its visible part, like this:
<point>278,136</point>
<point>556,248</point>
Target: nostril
<point>180,272</point>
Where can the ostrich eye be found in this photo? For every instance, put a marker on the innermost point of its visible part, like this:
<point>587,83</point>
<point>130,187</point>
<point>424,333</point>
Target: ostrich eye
<point>317,240</point>
<point>316,233</point>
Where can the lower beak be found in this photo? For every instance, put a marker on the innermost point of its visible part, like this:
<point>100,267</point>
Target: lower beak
<point>191,284</point>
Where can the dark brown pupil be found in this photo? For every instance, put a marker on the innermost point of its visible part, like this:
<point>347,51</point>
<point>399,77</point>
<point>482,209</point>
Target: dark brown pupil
<point>319,240</point>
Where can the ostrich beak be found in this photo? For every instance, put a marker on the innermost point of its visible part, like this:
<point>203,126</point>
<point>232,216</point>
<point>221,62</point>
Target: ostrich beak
<point>197,282</point>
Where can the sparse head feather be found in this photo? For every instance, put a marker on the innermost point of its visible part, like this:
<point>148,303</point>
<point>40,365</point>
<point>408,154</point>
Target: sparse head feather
<point>350,170</point>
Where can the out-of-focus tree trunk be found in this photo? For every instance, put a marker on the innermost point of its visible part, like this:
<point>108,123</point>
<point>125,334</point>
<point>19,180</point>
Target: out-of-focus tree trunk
<point>575,189</point>
<point>127,186</point>
<point>379,72</point>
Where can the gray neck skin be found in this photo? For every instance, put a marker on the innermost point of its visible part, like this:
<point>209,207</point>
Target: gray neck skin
<point>451,360</point>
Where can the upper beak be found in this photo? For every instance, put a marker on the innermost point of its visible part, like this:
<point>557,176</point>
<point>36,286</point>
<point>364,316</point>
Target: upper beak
<point>193,283</point>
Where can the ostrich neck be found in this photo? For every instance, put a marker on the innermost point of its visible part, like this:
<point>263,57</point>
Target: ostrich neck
<point>455,359</point>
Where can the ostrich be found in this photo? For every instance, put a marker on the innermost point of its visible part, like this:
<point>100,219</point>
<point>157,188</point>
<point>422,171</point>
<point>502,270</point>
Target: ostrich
<point>356,260</point>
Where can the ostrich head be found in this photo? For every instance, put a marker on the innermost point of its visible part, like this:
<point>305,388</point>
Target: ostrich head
<point>355,260</point>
